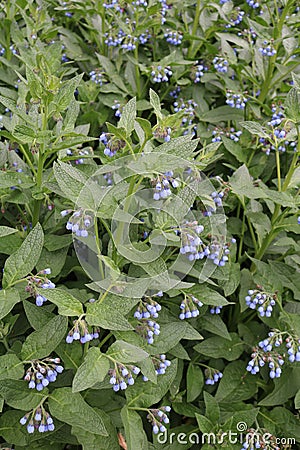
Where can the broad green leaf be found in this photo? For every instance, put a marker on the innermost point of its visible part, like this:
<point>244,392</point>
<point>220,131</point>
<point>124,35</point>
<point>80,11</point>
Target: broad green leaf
<point>155,103</point>
<point>67,304</point>
<point>255,128</point>
<point>36,316</point>
<point>70,180</point>
<point>123,352</point>
<point>12,431</point>
<point>183,147</point>
<point>21,263</point>
<point>297,400</point>
<point>236,384</point>
<point>128,116</point>
<point>194,382</point>
<point>212,410</point>
<point>222,114</point>
<point>207,296</point>
<point>71,408</point>
<point>242,184</point>
<point>66,93</point>
<point>10,367</point>
<point>8,299</point>
<point>42,342</point>
<point>282,390</point>
<point>134,431</point>
<point>205,425</point>
<point>5,231</point>
<point>215,325</point>
<point>292,105</point>
<point>17,394</point>
<point>93,369</point>
<point>144,394</point>
<point>170,334</point>
<point>107,316</point>
<point>218,347</point>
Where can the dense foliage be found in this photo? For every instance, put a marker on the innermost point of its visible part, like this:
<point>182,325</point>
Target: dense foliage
<point>149,234</point>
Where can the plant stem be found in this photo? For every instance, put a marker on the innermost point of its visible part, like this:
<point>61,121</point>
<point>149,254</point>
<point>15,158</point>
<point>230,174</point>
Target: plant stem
<point>194,30</point>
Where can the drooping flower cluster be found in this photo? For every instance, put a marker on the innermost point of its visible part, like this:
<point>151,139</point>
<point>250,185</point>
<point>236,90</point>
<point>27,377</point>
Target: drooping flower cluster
<point>215,309</point>
<point>256,439</point>
<point>220,64</point>
<point>96,76</point>
<point>162,185</point>
<point>236,17</point>
<point>42,372</point>
<point>147,310</point>
<point>157,417</point>
<point>293,348</point>
<point>267,49</point>
<point>160,74</point>
<point>234,100</point>
<point>188,107</point>
<point>79,222</point>
<point>163,11</point>
<point>117,108</point>
<point>277,116</point>
<point>191,244</point>
<point>253,3</point>
<point>198,72</point>
<point>145,37</point>
<point>212,376</point>
<point>231,133</point>
<point>38,419</point>
<point>79,152</point>
<point>111,143</point>
<point>121,376</point>
<point>173,37</point>
<point>262,301</point>
<point>161,363</point>
<point>39,281</point>
<point>81,332</point>
<point>261,356</point>
<point>161,132</point>
<point>189,307</point>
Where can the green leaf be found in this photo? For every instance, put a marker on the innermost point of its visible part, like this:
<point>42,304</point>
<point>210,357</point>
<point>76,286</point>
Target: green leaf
<point>170,334</point>
<point>10,367</point>
<point>222,114</point>
<point>242,184</point>
<point>282,390</point>
<point>66,93</point>
<point>37,316</point>
<point>21,263</point>
<point>128,116</point>
<point>215,325</point>
<point>17,394</point>
<point>236,384</point>
<point>70,180</point>
<point>107,316</point>
<point>5,231</point>
<point>212,410</point>
<point>123,352</point>
<point>182,146</point>
<point>71,408</point>
<point>255,128</point>
<point>205,425</point>
<point>42,342</point>
<point>297,400</point>
<point>235,149</point>
<point>134,432</point>
<point>67,304</point>
<point>155,103</point>
<point>218,347</point>
<point>292,105</point>
<point>207,296</point>
<point>8,299</point>
<point>194,382</point>
<point>93,369</point>
<point>144,394</point>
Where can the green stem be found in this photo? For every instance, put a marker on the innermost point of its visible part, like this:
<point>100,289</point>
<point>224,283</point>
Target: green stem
<point>126,208</point>
<point>278,169</point>
<point>26,156</point>
<point>194,29</point>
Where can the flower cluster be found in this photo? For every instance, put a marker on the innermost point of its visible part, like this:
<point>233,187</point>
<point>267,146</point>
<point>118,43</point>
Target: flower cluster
<point>215,309</point>
<point>80,332</point>
<point>256,439</point>
<point>78,152</point>
<point>144,37</point>
<point>234,100</point>
<point>262,356</point>
<point>140,3</point>
<point>253,3</point>
<point>173,37</point>
<point>163,11</point>
<point>43,372</point>
<point>161,363</point>
<point>220,64</point>
<point>96,76</point>
<point>39,281</point>
<point>293,348</point>
<point>218,252</point>
<point>78,223</point>
<point>161,132</point>
<point>236,17</point>
<point>188,108</point>
<point>189,307</point>
<point>212,376</point>
<point>198,72</point>
<point>267,49</point>
<point>148,308</point>
<point>231,133</point>
<point>263,301</point>
<point>148,328</point>
<point>175,92</point>
<point>162,185</point>
<point>160,74</point>
<point>2,50</point>
<point>191,244</point>
<point>117,108</point>
<point>111,143</point>
<point>113,39</point>
<point>157,417</point>
<point>121,376</point>
<point>38,419</point>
